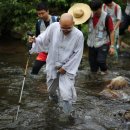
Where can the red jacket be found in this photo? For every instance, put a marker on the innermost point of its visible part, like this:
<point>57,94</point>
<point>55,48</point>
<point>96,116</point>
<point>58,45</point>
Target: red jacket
<point>42,56</point>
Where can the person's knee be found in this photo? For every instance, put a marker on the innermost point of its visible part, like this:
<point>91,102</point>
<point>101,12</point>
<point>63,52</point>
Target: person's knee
<point>102,63</point>
<point>37,66</point>
<point>101,60</point>
<point>34,71</point>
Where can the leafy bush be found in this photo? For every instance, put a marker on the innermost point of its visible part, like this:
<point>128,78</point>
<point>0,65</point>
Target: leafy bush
<point>18,16</point>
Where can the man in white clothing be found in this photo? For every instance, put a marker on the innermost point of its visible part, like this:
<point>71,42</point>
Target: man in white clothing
<point>64,44</point>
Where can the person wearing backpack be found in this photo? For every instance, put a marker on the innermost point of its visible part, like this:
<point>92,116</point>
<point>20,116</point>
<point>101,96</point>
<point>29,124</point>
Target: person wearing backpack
<point>114,10</point>
<point>98,38</point>
<point>125,24</point>
<point>45,19</point>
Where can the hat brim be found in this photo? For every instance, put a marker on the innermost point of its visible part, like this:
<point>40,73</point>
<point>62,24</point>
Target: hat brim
<point>85,17</point>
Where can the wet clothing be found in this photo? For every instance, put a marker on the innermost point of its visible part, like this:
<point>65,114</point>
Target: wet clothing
<point>41,58</point>
<point>63,86</point>
<point>63,51</point>
<point>97,58</point>
<point>37,66</point>
<point>98,41</point>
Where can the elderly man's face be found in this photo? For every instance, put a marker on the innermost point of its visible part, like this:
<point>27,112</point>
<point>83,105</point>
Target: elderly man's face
<point>66,26</point>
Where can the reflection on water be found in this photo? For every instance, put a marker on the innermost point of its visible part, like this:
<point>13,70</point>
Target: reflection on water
<point>37,112</point>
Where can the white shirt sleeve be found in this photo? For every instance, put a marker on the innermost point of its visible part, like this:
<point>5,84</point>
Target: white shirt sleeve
<point>103,7</point>
<point>119,13</point>
<point>41,43</point>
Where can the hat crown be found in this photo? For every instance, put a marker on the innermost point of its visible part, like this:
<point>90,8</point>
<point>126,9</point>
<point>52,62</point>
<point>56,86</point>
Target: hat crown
<point>81,13</point>
<point>78,13</point>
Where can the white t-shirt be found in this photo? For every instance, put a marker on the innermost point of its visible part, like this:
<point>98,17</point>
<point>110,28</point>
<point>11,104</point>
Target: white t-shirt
<point>127,10</point>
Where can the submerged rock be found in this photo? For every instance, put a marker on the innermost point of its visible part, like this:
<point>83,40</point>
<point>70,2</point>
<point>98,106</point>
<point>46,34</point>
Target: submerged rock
<point>127,115</point>
<point>114,94</point>
<point>118,83</point>
<point>116,89</point>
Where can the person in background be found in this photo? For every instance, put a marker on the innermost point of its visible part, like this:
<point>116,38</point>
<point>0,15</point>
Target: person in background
<point>98,38</point>
<point>45,19</point>
<point>65,49</point>
<point>125,24</point>
<point>114,10</point>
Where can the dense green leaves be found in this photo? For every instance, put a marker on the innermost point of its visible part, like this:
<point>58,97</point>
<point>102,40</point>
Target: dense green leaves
<point>18,16</point>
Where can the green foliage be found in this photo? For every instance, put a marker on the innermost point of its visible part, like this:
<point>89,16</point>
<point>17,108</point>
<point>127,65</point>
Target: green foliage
<point>19,16</point>
<point>64,5</point>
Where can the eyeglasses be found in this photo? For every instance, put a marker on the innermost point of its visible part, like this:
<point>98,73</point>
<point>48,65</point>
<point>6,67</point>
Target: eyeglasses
<point>67,29</point>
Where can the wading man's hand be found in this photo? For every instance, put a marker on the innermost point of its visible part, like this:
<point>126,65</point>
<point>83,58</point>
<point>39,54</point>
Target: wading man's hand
<point>61,71</point>
<point>31,39</point>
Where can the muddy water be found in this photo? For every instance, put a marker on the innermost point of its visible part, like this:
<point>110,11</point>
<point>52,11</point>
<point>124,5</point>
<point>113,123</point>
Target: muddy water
<point>92,112</point>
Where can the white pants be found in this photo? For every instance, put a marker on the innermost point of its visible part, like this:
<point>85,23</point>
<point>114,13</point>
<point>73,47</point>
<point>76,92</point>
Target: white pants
<point>64,83</point>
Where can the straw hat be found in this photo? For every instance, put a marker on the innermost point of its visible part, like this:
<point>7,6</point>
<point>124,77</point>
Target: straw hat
<point>81,13</point>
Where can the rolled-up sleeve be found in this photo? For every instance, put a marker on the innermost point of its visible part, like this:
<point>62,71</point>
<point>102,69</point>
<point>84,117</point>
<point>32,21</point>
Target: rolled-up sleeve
<point>41,43</point>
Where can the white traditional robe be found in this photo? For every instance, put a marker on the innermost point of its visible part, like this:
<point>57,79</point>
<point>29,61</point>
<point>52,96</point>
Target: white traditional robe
<point>64,51</point>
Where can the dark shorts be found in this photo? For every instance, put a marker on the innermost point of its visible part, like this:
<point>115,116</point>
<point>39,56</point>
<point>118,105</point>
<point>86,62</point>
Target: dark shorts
<point>97,58</point>
<point>124,24</point>
<point>37,66</point>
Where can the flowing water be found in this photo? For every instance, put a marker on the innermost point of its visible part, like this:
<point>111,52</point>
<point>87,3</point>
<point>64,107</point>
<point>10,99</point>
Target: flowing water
<point>38,113</point>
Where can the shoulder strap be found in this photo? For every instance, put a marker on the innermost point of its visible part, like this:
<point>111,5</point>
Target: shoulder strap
<point>104,7</point>
<point>38,24</point>
<point>54,18</point>
<point>116,8</point>
<point>106,24</point>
